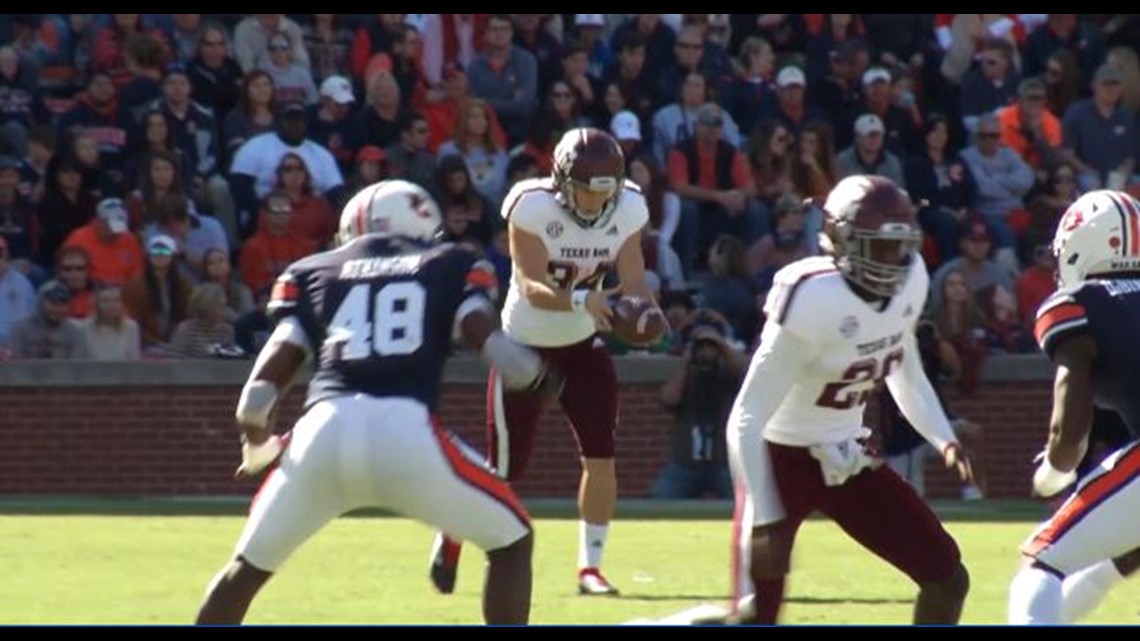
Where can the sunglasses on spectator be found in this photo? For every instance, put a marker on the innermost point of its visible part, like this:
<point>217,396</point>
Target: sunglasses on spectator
<point>73,268</point>
<point>280,47</point>
<point>214,43</point>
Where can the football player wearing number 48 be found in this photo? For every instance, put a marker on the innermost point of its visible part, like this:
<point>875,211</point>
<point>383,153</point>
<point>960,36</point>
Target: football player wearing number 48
<point>567,231</point>
<point>837,326</point>
<point>377,315</point>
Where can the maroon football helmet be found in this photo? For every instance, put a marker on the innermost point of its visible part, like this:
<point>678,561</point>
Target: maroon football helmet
<point>589,159</point>
<point>872,233</point>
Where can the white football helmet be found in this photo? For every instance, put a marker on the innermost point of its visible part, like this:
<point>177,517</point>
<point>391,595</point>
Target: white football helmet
<point>390,207</point>
<point>1098,234</point>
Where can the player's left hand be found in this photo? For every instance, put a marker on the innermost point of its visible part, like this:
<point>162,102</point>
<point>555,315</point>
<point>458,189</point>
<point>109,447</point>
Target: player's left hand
<point>257,453</point>
<point>957,459</point>
<point>1048,481</point>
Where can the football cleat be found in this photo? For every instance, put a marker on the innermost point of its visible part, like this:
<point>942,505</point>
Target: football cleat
<point>444,564</point>
<point>592,583</point>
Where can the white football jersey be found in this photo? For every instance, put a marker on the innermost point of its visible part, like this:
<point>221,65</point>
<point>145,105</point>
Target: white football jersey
<point>855,346</point>
<point>578,258</point>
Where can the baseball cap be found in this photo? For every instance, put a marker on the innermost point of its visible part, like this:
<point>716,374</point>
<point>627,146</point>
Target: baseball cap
<point>162,245</point>
<point>876,74</point>
<point>626,126</point>
<point>371,153</point>
<point>709,114</point>
<point>55,292</point>
<point>1031,89</point>
<point>791,76</point>
<point>293,108</point>
<point>868,124</point>
<point>339,89</point>
<point>114,213</point>
<point>590,19</point>
<point>1107,73</point>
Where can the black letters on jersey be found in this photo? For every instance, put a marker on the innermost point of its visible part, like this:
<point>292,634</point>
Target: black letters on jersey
<point>379,312</point>
<point>1109,312</point>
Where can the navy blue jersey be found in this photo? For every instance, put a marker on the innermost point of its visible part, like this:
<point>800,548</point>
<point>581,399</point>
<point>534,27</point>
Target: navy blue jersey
<point>379,313</point>
<point>1109,312</point>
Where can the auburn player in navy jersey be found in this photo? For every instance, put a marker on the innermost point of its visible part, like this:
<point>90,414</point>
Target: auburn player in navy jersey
<point>377,315</point>
<point>1089,330</point>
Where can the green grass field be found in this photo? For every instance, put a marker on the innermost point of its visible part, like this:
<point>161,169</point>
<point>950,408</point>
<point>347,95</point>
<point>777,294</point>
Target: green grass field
<point>68,567</point>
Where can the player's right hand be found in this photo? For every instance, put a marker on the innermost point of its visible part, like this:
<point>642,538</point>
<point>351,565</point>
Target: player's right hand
<point>1048,481</point>
<point>598,304</point>
<point>956,458</point>
<point>258,453</point>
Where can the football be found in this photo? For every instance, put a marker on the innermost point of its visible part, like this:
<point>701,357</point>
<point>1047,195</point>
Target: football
<point>638,321</point>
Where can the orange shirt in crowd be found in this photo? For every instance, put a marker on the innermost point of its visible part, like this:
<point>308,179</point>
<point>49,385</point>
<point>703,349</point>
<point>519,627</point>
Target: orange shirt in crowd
<point>706,175</point>
<point>115,262</point>
<point>264,257</point>
<point>1011,134</point>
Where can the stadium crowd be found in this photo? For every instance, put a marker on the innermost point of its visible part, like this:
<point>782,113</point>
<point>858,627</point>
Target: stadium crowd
<point>158,171</point>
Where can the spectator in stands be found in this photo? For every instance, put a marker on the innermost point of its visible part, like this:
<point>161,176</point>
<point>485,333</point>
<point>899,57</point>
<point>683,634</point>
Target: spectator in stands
<point>973,263</point>
<point>1028,128</point>
<point>374,37</point>
<point>195,234</point>
<point>1062,78</point>
<point>408,158</point>
<point>18,295</point>
<point>715,185</point>
<point>626,129</point>
<point>73,269</point>
<point>591,39</point>
<point>312,217</point>
<point>1048,204</point>
<point>215,77</point>
<point>506,76</point>
<point>65,206</point>
<point>675,123</point>
<point>328,40</point>
<point>156,139</point>
<point>443,114</point>
<point>109,333</point>
<point>108,53</point>
<point>17,219</point>
<point>813,170</point>
<point>692,53</point>
<point>371,167</point>
<point>730,289</point>
<point>656,38</point>
<point>254,170</point>
<point>839,93</point>
<point>267,253</point>
<point>21,101</point>
<point>41,149</point>
<point>159,298</point>
<point>486,159</point>
<point>531,36</point>
<point>560,113</point>
<point>1067,31</point>
<point>664,215</point>
<point>939,180</point>
<point>869,155</point>
<point>378,122</point>
<point>239,300</point>
<point>292,81</point>
<point>575,62</point>
<point>753,87</point>
<point>254,34</point>
<point>206,329</point>
<point>826,42</point>
<point>115,254</point>
<point>960,321</point>
<point>255,113</point>
<point>183,35</point>
<point>47,333</point>
<point>786,244</point>
<point>146,59</point>
<point>158,176</point>
<point>1127,62</point>
<point>992,84</point>
<point>1003,179</point>
<point>1102,135</point>
<point>1037,281</point>
<point>900,135</point>
<point>769,155</point>
<point>330,124</point>
<point>466,212</point>
<point>700,395</point>
<point>630,82</point>
<point>97,113</point>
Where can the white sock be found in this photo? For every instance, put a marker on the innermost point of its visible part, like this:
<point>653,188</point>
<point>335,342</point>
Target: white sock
<point>1035,598</point>
<point>1084,590</point>
<point>591,543</point>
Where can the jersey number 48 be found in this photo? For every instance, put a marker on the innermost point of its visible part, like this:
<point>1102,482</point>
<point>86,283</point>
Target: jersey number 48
<point>394,327</point>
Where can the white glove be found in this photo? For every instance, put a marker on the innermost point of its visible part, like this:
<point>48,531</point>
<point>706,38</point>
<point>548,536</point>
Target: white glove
<point>1048,481</point>
<point>257,457</point>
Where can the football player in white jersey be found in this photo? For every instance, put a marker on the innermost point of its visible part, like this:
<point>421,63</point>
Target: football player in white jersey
<point>837,326</point>
<point>567,232</point>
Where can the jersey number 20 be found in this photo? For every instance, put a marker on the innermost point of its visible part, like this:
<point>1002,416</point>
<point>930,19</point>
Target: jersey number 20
<point>859,382</point>
<point>394,329</point>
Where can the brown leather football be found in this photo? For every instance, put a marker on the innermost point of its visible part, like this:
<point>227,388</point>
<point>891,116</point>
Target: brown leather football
<point>638,321</point>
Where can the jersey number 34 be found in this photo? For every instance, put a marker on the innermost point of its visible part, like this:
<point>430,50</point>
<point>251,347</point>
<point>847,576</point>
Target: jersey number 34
<point>394,328</point>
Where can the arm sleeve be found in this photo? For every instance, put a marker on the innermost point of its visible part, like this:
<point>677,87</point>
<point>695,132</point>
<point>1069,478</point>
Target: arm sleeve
<point>774,370</point>
<point>916,399</point>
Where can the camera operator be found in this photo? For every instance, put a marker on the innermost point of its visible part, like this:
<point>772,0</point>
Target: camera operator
<point>700,396</point>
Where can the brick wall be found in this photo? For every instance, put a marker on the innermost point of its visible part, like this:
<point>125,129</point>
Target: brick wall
<point>179,440</point>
